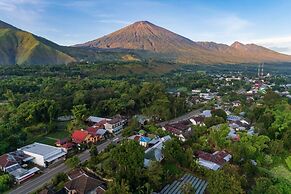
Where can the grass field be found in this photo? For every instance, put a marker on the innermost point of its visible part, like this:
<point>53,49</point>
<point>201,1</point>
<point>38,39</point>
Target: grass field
<point>51,138</point>
<point>282,171</point>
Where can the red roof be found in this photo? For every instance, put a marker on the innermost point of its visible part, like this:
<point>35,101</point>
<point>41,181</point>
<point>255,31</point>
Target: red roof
<point>6,161</point>
<point>92,130</point>
<point>236,138</point>
<point>115,121</point>
<point>79,136</point>
<point>68,145</point>
<point>100,123</point>
<point>172,129</point>
<point>62,141</point>
<point>212,158</point>
<point>221,154</point>
<point>137,137</point>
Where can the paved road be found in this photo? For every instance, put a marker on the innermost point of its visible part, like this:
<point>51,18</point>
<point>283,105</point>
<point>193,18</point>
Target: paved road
<point>38,182</point>
<point>181,118</point>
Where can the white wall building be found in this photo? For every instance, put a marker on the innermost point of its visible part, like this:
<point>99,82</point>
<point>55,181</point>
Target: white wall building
<point>115,125</point>
<point>43,154</point>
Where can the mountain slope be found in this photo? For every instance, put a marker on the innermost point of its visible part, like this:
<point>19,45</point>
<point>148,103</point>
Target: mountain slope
<point>147,36</point>
<point>20,47</point>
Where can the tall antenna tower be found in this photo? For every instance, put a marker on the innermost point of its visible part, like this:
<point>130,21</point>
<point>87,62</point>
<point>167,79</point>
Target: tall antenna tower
<point>261,70</point>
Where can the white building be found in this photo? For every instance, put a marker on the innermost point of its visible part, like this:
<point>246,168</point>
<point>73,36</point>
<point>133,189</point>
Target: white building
<point>115,125</point>
<point>43,154</point>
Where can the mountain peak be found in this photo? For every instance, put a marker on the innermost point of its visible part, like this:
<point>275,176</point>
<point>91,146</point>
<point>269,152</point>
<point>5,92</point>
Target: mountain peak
<point>142,35</point>
<point>145,36</point>
<point>237,44</point>
<point>142,23</point>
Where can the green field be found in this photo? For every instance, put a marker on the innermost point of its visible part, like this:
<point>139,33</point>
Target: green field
<point>51,138</point>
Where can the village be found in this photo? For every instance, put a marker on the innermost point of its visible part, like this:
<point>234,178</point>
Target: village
<point>213,110</point>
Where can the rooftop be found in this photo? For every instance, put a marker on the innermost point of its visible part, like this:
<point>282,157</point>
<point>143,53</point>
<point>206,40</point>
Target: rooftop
<point>6,160</point>
<point>95,119</point>
<point>219,157</point>
<point>84,184</point>
<point>41,149</point>
<point>79,136</point>
<point>176,187</point>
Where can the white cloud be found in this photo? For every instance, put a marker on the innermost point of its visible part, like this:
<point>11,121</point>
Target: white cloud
<point>280,44</point>
<point>273,40</point>
<point>21,10</point>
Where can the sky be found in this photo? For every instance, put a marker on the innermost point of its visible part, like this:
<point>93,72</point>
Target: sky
<point>69,22</point>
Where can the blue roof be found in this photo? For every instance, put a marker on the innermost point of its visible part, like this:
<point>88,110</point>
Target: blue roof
<point>145,139</point>
<point>233,118</point>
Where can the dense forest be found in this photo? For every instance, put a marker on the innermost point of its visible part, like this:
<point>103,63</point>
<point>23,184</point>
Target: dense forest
<point>33,97</point>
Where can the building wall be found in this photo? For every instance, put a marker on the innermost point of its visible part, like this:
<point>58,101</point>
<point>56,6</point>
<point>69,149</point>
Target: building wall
<point>38,159</point>
<point>113,128</point>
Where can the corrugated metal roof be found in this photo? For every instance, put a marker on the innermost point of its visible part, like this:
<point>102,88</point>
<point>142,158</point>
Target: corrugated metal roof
<point>176,187</point>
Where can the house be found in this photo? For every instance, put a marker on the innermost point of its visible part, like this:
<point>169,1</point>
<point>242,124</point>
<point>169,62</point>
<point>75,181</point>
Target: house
<point>143,140</point>
<point>196,91</point>
<point>94,120</point>
<point>43,154</point>
<point>20,174</point>
<point>155,153</point>
<point>180,130</point>
<point>6,162</point>
<point>206,96</point>
<point>100,132</point>
<point>233,135</point>
<point>251,131</point>
<point>239,125</point>
<point>206,113</point>
<point>85,184</point>
<point>142,120</point>
<point>83,137</point>
<point>12,158</point>
<point>198,120</point>
<point>75,173</point>
<point>65,144</point>
<point>10,163</point>
<point>198,184</point>
<point>233,118</point>
<point>213,161</point>
<point>115,125</point>
<point>236,103</point>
